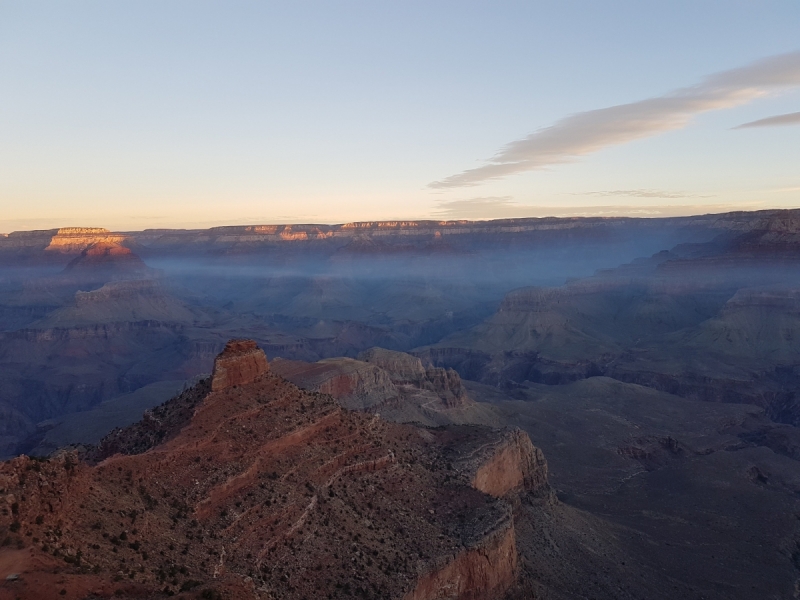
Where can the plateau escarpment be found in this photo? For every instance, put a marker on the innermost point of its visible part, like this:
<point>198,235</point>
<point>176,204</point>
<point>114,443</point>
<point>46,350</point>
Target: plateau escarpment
<point>388,237</point>
<point>55,245</point>
<point>246,486</point>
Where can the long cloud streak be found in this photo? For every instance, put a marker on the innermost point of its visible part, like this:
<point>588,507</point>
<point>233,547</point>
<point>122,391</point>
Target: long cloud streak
<point>777,120</point>
<point>587,132</point>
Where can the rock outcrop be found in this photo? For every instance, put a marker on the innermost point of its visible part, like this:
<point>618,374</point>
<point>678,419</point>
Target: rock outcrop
<point>355,384</point>
<point>402,367</point>
<point>405,369</point>
<point>394,384</point>
<point>485,572</point>
<point>258,489</point>
<point>512,464</point>
<point>66,240</point>
<point>70,240</point>
<point>241,362</point>
<point>446,384</point>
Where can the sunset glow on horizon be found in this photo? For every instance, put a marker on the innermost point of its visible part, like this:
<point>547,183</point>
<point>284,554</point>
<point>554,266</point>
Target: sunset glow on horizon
<point>135,115</point>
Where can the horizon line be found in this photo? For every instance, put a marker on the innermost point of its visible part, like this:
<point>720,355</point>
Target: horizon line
<point>397,223</point>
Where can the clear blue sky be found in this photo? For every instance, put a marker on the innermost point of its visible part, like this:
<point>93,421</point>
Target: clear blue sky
<point>135,114</point>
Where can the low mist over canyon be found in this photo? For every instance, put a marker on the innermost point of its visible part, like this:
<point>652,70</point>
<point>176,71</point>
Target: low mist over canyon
<point>524,408</point>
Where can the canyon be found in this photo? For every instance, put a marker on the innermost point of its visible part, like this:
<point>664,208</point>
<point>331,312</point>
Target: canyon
<point>624,389</point>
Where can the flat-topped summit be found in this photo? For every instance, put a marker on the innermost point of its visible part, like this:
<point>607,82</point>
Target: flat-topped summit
<point>241,362</point>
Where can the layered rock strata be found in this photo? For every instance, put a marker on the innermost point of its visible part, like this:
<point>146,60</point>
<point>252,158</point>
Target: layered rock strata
<point>247,486</point>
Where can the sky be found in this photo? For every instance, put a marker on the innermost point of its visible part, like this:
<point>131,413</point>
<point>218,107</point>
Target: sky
<point>188,113</point>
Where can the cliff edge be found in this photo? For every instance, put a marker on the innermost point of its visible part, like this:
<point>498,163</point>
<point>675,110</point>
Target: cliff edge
<point>241,362</point>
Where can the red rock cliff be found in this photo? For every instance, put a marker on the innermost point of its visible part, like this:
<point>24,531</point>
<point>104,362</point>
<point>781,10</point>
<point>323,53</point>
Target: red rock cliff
<point>241,362</point>
<point>513,464</point>
<point>489,569</point>
<point>485,572</point>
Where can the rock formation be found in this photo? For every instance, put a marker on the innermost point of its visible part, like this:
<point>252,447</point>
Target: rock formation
<point>355,384</point>
<point>401,367</point>
<point>241,362</point>
<point>480,573</point>
<point>67,241</point>
<point>129,301</point>
<point>251,487</point>
<point>71,240</point>
<point>118,260</point>
<point>394,384</point>
<point>513,463</point>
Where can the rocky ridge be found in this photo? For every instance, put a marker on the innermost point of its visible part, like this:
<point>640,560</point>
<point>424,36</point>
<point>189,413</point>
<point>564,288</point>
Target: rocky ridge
<point>246,486</point>
<point>393,384</point>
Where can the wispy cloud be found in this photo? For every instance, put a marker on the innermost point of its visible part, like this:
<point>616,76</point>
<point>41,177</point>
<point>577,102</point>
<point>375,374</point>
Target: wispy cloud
<point>794,188</point>
<point>777,120</point>
<point>587,132</point>
<point>490,207</point>
<point>504,207</point>
<point>643,193</point>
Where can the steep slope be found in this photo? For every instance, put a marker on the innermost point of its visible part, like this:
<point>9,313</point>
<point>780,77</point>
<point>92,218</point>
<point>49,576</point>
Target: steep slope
<point>114,258</point>
<point>247,486</point>
<point>54,245</point>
